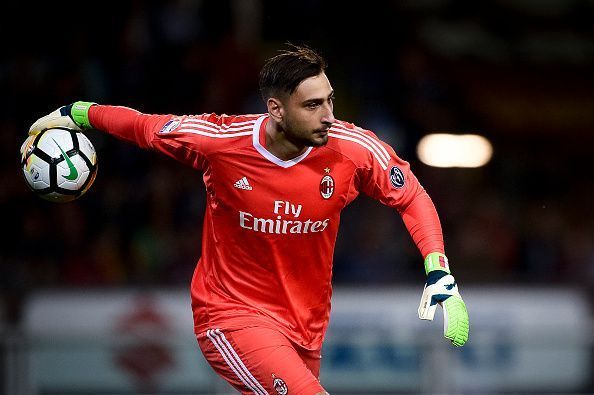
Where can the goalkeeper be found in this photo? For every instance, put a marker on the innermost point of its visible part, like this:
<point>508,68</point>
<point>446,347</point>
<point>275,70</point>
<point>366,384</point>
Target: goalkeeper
<point>276,184</point>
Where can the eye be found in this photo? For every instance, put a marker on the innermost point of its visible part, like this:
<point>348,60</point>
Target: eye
<point>313,105</point>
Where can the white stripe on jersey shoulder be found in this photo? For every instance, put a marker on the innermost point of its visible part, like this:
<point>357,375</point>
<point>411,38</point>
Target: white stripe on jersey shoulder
<point>208,126</point>
<point>215,129</point>
<point>360,132</point>
<point>219,128</point>
<point>264,152</point>
<point>210,129</point>
<point>245,132</point>
<point>363,141</point>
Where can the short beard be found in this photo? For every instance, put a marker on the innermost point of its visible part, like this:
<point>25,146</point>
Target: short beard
<point>318,143</point>
<point>300,141</point>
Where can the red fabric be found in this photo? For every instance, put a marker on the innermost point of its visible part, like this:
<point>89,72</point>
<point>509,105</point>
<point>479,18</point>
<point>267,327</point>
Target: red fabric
<point>254,359</point>
<point>270,226</point>
<point>125,123</point>
<point>422,222</point>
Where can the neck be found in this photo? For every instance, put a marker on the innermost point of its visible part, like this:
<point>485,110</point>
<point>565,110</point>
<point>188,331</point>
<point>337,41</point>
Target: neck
<point>278,144</point>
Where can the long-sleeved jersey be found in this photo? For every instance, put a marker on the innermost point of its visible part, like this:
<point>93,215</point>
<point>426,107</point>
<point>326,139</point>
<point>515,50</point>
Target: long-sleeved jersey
<point>270,225</point>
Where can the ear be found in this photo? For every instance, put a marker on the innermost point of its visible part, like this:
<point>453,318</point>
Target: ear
<point>275,109</point>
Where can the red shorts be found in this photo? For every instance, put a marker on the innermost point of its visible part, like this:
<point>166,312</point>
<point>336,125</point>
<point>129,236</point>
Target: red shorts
<point>259,360</point>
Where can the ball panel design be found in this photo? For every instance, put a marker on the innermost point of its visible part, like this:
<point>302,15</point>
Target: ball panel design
<point>86,148</point>
<point>55,141</point>
<point>59,164</point>
<point>37,173</point>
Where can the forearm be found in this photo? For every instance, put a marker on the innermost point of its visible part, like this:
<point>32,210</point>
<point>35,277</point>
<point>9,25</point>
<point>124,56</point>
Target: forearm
<point>422,221</point>
<point>126,123</point>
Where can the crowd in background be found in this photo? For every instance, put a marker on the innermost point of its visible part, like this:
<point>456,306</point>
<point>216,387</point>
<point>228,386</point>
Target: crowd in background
<point>525,218</point>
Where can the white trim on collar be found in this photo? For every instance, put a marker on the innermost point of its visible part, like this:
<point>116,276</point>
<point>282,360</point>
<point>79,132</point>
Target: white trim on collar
<point>264,152</point>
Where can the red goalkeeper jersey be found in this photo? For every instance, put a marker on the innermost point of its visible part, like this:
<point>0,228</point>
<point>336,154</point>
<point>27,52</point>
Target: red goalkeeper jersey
<point>270,225</point>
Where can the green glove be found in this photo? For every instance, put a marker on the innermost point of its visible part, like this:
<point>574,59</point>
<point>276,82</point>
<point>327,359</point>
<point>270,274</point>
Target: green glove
<point>441,288</point>
<point>74,116</point>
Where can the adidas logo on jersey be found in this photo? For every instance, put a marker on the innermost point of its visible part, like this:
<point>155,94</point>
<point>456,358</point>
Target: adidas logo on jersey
<point>243,184</point>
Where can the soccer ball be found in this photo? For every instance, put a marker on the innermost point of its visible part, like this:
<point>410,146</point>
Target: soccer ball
<point>59,164</point>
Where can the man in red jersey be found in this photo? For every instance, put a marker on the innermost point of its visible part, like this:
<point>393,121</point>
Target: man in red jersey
<point>276,184</point>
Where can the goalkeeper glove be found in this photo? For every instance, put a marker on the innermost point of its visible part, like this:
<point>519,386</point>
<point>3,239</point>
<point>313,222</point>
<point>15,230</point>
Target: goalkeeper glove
<point>74,116</point>
<point>441,288</point>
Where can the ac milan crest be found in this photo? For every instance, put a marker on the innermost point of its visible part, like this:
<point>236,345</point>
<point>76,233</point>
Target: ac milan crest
<point>279,385</point>
<point>327,186</point>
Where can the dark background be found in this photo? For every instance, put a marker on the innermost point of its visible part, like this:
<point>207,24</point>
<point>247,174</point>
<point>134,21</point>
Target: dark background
<point>517,72</point>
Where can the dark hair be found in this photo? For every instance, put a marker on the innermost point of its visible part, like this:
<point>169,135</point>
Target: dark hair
<point>285,71</point>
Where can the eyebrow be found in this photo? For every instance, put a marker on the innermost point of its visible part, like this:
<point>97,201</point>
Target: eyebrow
<point>318,100</point>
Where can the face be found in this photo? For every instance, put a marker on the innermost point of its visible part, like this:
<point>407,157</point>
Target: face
<point>308,113</point>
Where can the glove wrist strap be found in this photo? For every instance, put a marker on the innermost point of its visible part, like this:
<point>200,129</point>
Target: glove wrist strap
<point>436,261</point>
<point>80,114</point>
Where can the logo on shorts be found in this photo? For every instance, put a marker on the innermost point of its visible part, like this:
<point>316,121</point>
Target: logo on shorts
<point>279,385</point>
<point>396,177</point>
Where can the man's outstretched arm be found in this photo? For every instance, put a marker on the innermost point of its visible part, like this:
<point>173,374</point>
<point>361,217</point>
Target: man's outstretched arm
<point>395,185</point>
<point>123,122</point>
<point>148,131</point>
<point>422,221</point>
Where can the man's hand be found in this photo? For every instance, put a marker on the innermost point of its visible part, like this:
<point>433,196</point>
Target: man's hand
<point>441,288</point>
<point>74,116</point>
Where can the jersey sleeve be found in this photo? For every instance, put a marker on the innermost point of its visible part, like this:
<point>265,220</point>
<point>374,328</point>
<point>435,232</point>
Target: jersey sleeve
<point>187,138</point>
<point>386,177</point>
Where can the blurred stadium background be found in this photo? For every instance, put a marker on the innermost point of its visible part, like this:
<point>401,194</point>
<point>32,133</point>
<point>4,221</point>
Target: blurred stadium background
<point>94,293</point>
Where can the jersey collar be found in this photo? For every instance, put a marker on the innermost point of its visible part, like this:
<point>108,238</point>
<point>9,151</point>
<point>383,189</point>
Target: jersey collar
<point>259,140</point>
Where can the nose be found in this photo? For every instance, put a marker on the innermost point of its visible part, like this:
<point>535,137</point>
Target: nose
<point>328,117</point>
